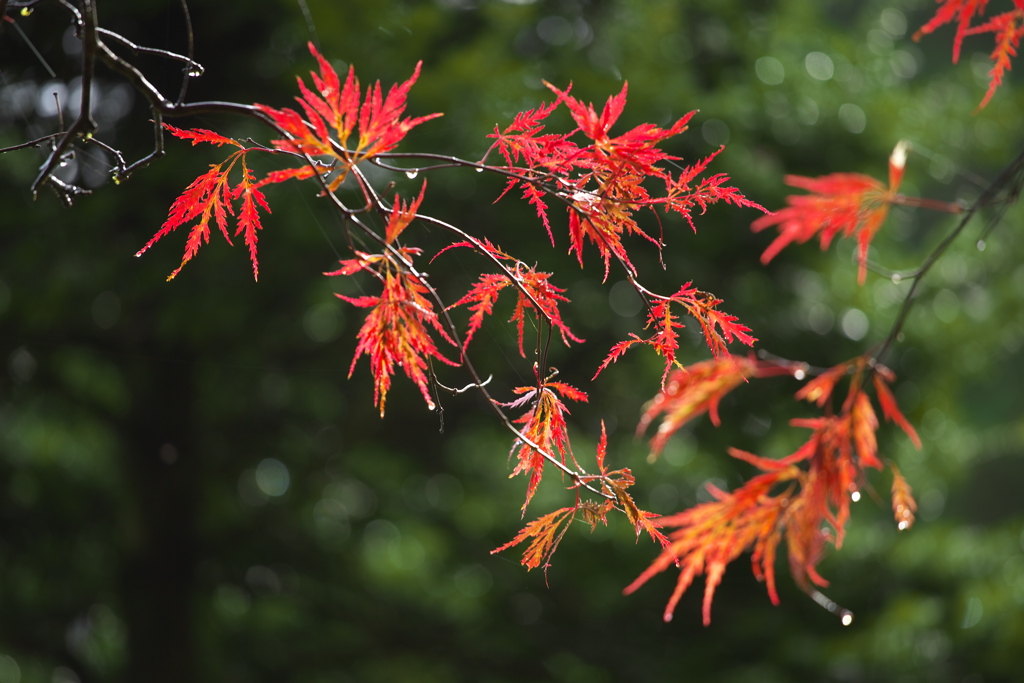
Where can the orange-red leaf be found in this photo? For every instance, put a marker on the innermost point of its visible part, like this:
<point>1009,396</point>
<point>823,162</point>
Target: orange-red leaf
<point>333,112</point>
<point>847,203</point>
<point>249,217</point>
<point>890,410</point>
<point>197,135</point>
<point>544,428</point>
<point>711,535</point>
<point>397,332</point>
<point>1008,29</point>
<point>692,392</point>
<point>962,10</point>
<point>207,197</point>
<point>402,215</point>
<point>903,504</point>
<point>547,533</point>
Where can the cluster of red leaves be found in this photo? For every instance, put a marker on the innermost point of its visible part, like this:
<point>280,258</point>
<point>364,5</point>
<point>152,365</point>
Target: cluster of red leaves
<point>334,112</point>
<point>547,531</point>
<point>334,109</point>
<point>536,293</point>
<point>1006,28</point>
<point>850,203</point>
<point>544,430</point>
<point>698,389</point>
<point>211,196</point>
<point>803,498</point>
<point>397,328</point>
<point>718,327</point>
<point>603,182</point>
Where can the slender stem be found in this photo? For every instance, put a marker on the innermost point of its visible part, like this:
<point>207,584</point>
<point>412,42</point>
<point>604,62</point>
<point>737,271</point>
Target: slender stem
<point>1009,178</point>
<point>926,203</point>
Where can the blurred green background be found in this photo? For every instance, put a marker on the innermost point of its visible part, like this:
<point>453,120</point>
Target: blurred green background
<point>191,489</point>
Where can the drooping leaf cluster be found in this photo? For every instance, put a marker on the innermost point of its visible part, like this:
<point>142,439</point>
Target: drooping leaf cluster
<point>803,498</point>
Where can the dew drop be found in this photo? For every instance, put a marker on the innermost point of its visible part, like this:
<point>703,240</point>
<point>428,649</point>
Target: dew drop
<point>846,617</point>
<point>799,374</point>
<point>855,496</point>
<point>896,278</point>
<point>431,406</point>
<point>981,245</point>
<point>479,169</point>
<point>903,526</point>
<point>195,73</point>
<point>412,173</point>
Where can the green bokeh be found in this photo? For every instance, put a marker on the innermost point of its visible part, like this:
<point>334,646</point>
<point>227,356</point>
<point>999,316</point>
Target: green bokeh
<point>147,531</point>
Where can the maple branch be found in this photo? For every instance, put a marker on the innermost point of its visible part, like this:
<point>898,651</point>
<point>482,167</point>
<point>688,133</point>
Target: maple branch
<point>32,143</point>
<point>84,125</point>
<point>578,477</point>
<point>466,388</point>
<point>1010,179</point>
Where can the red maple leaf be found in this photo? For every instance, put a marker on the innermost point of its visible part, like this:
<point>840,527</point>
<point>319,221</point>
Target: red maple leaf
<point>718,327</point>
<point>210,197</point>
<point>960,10</point>
<point>544,428</point>
<point>536,293</point>
<point>850,203</point>
<point>397,330</point>
<point>1007,27</point>
<point>335,111</point>
<point>691,392</point>
<point>548,530</point>
<point>803,498</point>
<point>602,182</point>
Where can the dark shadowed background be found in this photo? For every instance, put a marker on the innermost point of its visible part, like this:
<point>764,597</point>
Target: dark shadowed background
<point>191,489</point>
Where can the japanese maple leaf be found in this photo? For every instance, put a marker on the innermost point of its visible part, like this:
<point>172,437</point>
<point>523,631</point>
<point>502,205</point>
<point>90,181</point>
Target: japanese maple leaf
<point>718,327</point>
<point>903,504</point>
<point>335,111</point>
<point>803,498</point>
<point>211,196</point>
<point>711,535</point>
<point>665,339</point>
<point>535,292</point>
<point>544,427</point>
<point>962,11</point>
<point>850,203</point>
<point>687,191</point>
<point>691,392</point>
<point>548,530</point>
<point>397,332</point>
<point>1007,27</point>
